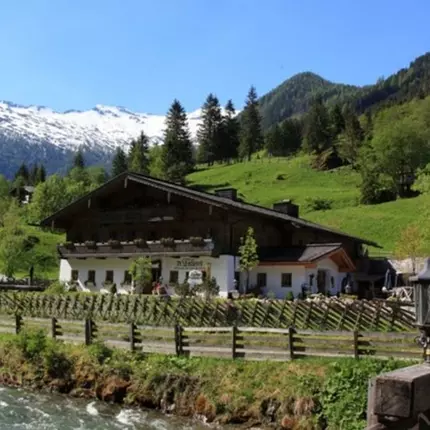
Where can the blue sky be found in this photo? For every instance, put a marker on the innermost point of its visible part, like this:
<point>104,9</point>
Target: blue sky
<point>141,54</point>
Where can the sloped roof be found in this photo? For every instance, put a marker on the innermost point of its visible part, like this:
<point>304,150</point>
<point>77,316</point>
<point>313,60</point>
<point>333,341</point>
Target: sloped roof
<point>308,253</point>
<point>204,197</point>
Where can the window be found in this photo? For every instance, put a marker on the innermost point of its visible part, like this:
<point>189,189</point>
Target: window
<point>109,276</point>
<point>261,280</point>
<point>92,276</point>
<point>186,275</point>
<point>127,277</point>
<point>75,275</point>
<point>287,280</point>
<point>204,275</point>
<point>173,277</point>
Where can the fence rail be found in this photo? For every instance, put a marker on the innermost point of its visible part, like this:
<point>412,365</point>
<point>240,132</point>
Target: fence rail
<point>250,343</point>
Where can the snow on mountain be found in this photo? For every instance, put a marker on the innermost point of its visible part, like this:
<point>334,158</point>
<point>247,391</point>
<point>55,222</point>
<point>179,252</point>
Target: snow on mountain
<point>104,127</point>
<point>37,134</point>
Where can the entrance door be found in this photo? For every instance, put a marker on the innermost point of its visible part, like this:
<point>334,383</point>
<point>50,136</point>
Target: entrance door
<point>322,281</point>
<point>156,270</point>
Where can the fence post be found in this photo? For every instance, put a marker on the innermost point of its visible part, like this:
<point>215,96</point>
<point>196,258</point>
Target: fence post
<point>178,340</point>
<point>132,336</point>
<point>291,341</point>
<point>18,323</point>
<point>54,327</point>
<point>233,341</point>
<point>88,331</point>
<point>356,350</point>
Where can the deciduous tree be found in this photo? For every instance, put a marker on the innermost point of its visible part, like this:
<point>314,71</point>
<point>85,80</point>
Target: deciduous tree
<point>248,254</point>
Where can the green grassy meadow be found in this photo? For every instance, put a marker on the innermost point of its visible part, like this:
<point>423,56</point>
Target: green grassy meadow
<point>265,181</point>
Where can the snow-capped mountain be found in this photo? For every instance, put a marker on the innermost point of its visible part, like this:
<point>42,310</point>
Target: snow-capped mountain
<point>34,134</point>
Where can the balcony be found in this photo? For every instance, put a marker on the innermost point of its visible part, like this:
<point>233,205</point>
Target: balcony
<point>158,248</point>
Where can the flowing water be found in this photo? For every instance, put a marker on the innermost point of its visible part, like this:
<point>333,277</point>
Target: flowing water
<point>20,409</point>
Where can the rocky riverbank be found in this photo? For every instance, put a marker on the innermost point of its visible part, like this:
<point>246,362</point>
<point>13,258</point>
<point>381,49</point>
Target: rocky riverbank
<point>304,394</point>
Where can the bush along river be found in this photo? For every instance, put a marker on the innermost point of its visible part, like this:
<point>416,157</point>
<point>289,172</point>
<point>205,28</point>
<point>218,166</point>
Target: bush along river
<point>21,409</point>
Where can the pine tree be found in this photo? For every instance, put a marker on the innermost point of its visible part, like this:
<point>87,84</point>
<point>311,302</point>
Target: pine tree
<point>41,174</point>
<point>33,174</point>
<point>23,173</point>
<point>318,136</point>
<point>138,156</point>
<point>337,121</point>
<point>275,142</point>
<point>231,133</point>
<point>350,141</point>
<point>210,132</point>
<point>177,154</point>
<point>79,161</point>
<point>119,162</point>
<point>251,136</point>
<point>291,130</point>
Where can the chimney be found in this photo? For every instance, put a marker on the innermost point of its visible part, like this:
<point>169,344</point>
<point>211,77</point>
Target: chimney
<point>227,193</point>
<point>287,207</point>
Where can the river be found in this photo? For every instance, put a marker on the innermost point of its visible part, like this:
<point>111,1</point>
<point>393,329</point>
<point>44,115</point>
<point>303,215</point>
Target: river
<point>21,410</point>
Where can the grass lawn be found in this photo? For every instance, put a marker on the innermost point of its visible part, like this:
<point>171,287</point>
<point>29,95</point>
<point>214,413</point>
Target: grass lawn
<point>265,181</point>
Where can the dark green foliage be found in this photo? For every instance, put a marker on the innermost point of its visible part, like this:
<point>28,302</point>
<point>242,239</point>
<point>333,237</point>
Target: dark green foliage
<point>350,140</point>
<point>78,160</point>
<point>210,132</point>
<point>337,120</point>
<point>318,136</point>
<point>274,141</point>
<point>119,162</point>
<point>177,154</point>
<point>318,204</point>
<point>31,343</point>
<point>295,96</point>
<point>251,139</point>
<point>284,139</point>
<point>344,394</point>
<point>138,156</point>
<point>22,175</point>
<point>231,136</point>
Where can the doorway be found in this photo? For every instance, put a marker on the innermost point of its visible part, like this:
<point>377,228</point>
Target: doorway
<point>322,281</point>
<point>156,270</point>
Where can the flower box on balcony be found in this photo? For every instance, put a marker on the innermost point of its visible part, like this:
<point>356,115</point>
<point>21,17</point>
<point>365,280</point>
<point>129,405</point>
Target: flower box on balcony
<point>90,244</point>
<point>168,242</point>
<point>140,243</point>
<point>197,241</point>
<point>69,245</point>
<point>115,244</point>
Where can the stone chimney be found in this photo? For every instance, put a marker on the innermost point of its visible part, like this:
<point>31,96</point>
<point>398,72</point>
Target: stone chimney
<point>227,193</point>
<point>287,207</point>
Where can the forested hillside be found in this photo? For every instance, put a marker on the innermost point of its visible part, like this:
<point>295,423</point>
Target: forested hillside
<point>294,96</point>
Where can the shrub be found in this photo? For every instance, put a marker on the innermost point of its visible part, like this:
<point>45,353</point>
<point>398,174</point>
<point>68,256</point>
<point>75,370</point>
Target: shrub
<point>280,177</point>
<point>168,242</point>
<point>289,296</point>
<point>318,204</point>
<point>57,363</point>
<point>113,289</point>
<point>56,287</point>
<point>184,289</point>
<point>344,395</point>
<point>31,343</point>
<point>114,243</point>
<point>208,288</point>
<point>197,241</point>
<point>140,243</point>
<point>99,351</point>
<point>90,244</point>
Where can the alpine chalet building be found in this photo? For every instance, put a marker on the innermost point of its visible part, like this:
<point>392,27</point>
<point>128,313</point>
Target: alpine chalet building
<point>183,229</point>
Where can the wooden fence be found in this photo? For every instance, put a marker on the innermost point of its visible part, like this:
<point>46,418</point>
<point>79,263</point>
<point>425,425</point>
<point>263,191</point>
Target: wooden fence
<point>326,314</point>
<point>249,343</point>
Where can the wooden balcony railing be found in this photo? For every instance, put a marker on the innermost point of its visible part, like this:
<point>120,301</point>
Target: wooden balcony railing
<point>136,248</point>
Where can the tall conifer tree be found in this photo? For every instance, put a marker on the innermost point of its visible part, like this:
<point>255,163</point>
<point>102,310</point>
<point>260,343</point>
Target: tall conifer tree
<point>119,162</point>
<point>210,132</point>
<point>231,135</point>
<point>78,160</point>
<point>138,158</point>
<point>318,134</point>
<point>177,154</point>
<point>251,136</point>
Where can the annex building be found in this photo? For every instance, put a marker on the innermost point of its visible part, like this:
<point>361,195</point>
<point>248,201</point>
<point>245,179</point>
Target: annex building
<point>182,229</point>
